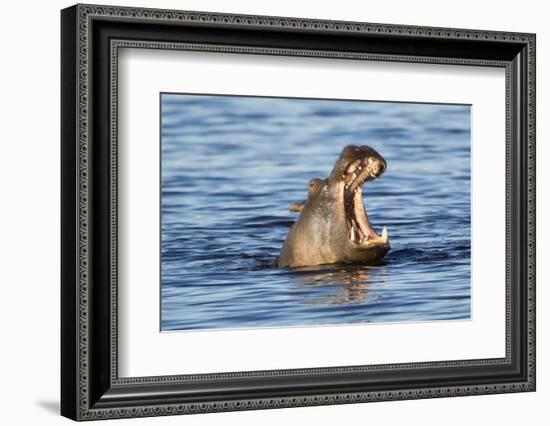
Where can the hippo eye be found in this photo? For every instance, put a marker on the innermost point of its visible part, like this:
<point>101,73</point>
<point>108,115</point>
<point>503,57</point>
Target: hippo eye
<point>313,184</point>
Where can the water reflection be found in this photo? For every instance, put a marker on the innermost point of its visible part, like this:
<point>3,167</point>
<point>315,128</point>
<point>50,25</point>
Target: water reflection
<point>343,284</point>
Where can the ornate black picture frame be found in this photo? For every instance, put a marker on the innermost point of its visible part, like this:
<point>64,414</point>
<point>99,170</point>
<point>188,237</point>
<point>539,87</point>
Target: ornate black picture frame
<point>91,387</point>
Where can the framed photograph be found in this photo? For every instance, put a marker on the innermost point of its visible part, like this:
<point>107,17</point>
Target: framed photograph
<point>263,212</point>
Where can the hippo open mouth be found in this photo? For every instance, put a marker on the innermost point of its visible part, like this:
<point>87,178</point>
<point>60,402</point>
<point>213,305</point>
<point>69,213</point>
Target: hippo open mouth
<point>357,173</point>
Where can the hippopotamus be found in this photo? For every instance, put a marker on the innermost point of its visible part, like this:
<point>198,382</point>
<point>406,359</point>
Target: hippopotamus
<point>333,226</point>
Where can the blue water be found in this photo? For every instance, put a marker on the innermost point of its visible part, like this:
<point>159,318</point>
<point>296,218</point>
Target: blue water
<point>231,166</point>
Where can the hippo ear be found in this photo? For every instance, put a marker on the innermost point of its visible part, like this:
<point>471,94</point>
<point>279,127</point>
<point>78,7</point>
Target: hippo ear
<point>296,207</point>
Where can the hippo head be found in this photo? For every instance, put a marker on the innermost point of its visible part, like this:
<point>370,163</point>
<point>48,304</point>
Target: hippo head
<point>333,226</point>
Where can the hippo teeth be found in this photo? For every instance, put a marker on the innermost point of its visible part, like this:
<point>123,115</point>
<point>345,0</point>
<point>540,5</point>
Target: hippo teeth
<point>360,230</point>
<point>384,236</point>
<point>354,166</point>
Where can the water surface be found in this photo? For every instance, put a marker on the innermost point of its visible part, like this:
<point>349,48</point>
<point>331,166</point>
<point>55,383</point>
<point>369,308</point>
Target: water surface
<point>232,165</point>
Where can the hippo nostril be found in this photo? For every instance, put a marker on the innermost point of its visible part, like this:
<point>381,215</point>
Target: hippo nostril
<point>376,166</point>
